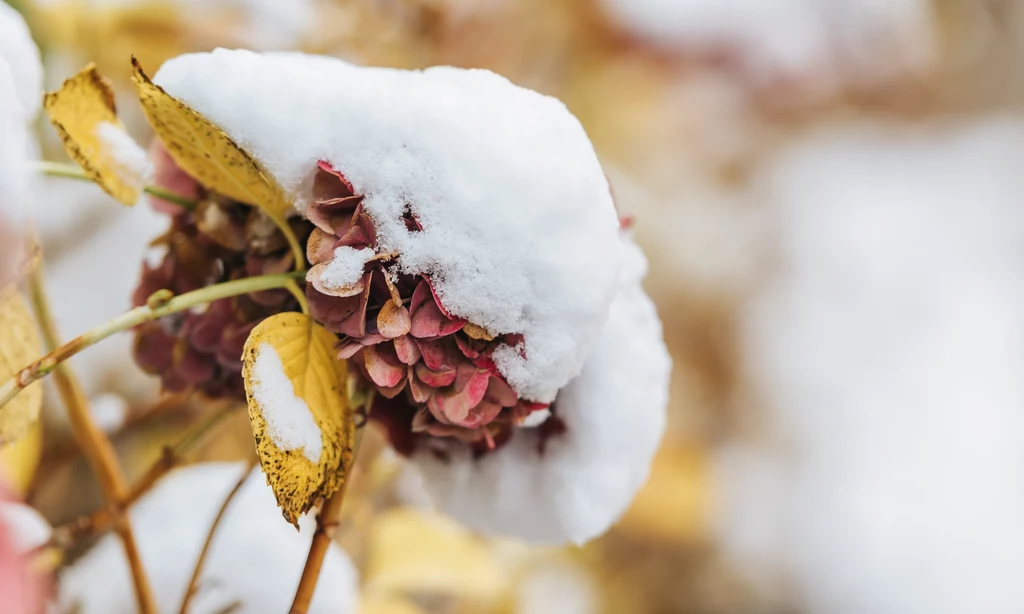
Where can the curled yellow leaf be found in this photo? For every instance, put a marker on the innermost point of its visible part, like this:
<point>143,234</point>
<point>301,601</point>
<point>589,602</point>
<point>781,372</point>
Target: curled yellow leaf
<point>206,152</point>
<point>298,408</point>
<point>84,114</point>
<point>19,345</point>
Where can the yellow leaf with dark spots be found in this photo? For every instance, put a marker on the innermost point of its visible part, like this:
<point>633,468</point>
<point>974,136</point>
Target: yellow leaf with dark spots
<point>19,345</point>
<point>84,114</point>
<point>206,152</point>
<point>300,415</point>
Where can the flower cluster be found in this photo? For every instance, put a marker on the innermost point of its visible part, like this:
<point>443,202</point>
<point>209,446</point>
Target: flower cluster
<point>397,332</point>
<point>219,241</point>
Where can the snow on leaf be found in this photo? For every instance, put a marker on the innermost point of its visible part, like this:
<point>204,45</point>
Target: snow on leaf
<point>19,345</point>
<point>296,391</point>
<point>84,114</point>
<point>206,152</point>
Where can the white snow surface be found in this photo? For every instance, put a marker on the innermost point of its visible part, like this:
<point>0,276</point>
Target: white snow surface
<point>614,413</point>
<point>290,423</point>
<point>890,345</point>
<point>19,52</point>
<point>256,558</point>
<point>346,268</point>
<point>519,228</point>
<point>129,161</point>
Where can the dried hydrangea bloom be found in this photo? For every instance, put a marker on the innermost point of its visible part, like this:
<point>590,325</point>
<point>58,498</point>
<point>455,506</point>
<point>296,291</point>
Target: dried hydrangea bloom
<point>253,565</point>
<point>396,330</point>
<point>220,241</point>
<point>467,252</point>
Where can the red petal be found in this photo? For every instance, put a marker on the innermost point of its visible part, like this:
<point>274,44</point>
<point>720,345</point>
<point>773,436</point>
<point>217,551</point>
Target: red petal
<point>348,348</point>
<point>434,379</point>
<point>437,354</point>
<point>326,166</point>
<point>383,366</point>
<point>419,296</point>
<point>451,406</point>
<point>355,324</point>
<point>393,320</point>
<point>420,391</point>
<point>482,414</point>
<point>428,321</point>
<point>407,350</point>
<point>437,301</point>
<point>498,391</point>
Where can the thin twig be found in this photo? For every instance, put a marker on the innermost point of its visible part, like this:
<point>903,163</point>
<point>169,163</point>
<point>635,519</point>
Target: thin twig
<point>190,590</point>
<point>160,304</point>
<point>70,171</point>
<point>326,523</point>
<point>94,443</point>
<point>170,457</point>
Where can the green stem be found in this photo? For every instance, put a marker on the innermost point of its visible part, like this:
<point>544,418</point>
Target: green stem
<point>160,304</point>
<point>70,171</point>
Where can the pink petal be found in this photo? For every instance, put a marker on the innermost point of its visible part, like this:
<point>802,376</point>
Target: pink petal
<point>348,348</point>
<point>498,391</point>
<point>390,393</point>
<point>420,391</point>
<point>428,321</point>
<point>333,216</point>
<point>326,166</point>
<point>393,320</point>
<point>419,296</point>
<point>437,354</point>
<point>383,366</point>
<point>355,324</point>
<point>450,407</point>
<point>407,350</point>
<point>437,301</point>
<point>482,414</point>
<point>434,379</point>
<point>320,246</point>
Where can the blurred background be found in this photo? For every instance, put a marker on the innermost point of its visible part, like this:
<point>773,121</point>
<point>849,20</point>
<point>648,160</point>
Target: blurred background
<point>831,196</point>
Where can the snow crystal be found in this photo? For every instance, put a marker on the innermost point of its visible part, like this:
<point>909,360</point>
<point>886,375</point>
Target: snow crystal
<point>290,423</point>
<point>890,345</point>
<point>346,268</point>
<point>129,161</point>
<point>519,228</point>
<point>255,561</point>
<point>585,478</point>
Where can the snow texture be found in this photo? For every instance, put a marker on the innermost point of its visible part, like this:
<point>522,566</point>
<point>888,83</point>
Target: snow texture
<point>26,527</point>
<point>585,478</point>
<point>129,161</point>
<point>865,40</point>
<point>256,558</point>
<point>519,228</point>
<point>890,346</point>
<point>290,423</point>
<point>346,268</point>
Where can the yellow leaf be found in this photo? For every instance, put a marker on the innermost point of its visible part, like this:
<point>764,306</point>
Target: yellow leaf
<point>387,604</point>
<point>19,345</point>
<point>19,460</point>
<point>296,386</point>
<point>206,152</point>
<point>83,113</point>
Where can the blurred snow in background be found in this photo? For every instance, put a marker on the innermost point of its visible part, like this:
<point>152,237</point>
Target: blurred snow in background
<point>889,345</point>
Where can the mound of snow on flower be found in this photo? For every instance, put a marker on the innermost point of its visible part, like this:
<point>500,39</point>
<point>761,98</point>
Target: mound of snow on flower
<point>519,231</point>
